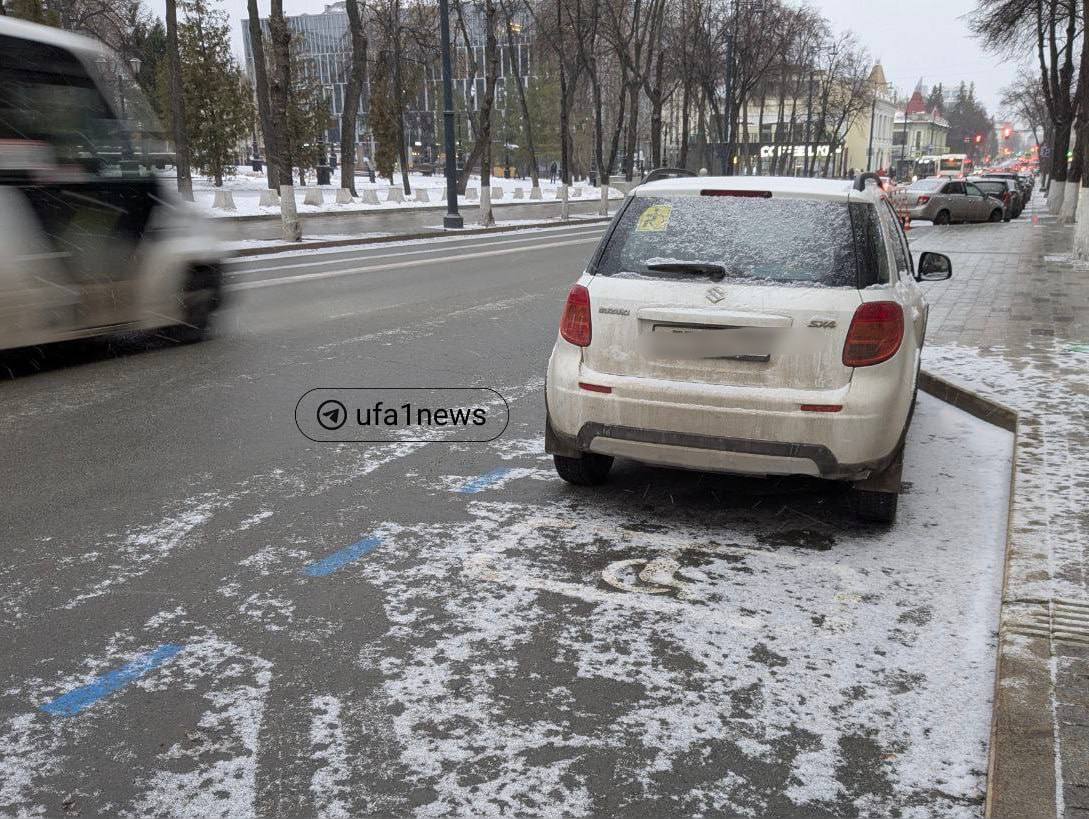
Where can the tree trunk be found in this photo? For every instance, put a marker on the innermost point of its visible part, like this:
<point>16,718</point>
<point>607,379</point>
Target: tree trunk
<point>1060,144</point>
<point>177,103</point>
<point>353,88</point>
<point>280,89</point>
<point>491,58</point>
<point>260,78</point>
<point>614,143</point>
<point>398,95</point>
<point>686,101</point>
<point>633,130</point>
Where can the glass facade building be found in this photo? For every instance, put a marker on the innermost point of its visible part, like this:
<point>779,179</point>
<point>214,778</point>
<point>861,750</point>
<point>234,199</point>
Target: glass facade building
<point>323,40</point>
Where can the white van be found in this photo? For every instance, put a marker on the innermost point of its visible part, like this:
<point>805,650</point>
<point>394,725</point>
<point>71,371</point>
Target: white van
<point>91,242</point>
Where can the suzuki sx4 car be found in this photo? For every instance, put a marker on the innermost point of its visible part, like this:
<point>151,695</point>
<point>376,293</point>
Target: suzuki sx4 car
<point>762,326</point>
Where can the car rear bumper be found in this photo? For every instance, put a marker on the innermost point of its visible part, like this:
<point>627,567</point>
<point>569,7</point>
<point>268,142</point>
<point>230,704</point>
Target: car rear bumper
<point>723,428</point>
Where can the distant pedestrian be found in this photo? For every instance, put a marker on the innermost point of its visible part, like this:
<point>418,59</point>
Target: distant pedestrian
<point>552,171</point>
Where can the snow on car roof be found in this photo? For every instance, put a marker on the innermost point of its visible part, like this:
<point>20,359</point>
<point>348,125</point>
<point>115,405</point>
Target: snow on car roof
<point>840,190</point>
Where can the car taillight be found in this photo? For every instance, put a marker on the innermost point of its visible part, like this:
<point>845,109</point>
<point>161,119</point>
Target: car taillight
<point>875,334</point>
<point>922,200</point>
<point>575,326</point>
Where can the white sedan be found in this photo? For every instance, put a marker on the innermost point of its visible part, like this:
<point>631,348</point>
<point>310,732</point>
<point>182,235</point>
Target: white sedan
<point>754,325</point>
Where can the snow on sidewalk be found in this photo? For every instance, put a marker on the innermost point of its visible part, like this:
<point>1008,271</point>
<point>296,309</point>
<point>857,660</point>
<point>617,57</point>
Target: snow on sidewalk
<point>246,187</point>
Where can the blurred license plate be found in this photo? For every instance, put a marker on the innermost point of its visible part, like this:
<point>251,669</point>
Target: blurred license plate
<point>738,343</point>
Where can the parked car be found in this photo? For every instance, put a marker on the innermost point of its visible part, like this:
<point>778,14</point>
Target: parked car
<point>1024,182</point>
<point>943,201</point>
<point>92,242</point>
<point>755,325</point>
<point>1004,190</point>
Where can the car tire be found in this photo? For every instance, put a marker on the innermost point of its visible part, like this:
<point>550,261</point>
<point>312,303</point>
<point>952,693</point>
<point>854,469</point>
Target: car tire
<point>942,218</point>
<point>996,216</point>
<point>875,507</point>
<point>591,469</point>
<point>203,295</point>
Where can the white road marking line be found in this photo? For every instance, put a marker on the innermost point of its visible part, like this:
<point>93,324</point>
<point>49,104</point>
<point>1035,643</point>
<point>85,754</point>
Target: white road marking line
<point>351,271</point>
<point>362,253</point>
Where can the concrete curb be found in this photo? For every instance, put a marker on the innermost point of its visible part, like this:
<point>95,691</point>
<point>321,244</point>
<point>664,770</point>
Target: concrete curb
<point>1021,757</point>
<point>402,237</point>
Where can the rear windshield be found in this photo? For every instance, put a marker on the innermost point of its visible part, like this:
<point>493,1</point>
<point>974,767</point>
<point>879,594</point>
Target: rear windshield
<point>991,187</point>
<point>926,185</point>
<point>776,240</point>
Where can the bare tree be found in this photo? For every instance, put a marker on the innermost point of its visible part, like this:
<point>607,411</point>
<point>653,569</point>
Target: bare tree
<point>261,91</point>
<point>491,61</point>
<point>177,103</point>
<point>353,88</point>
<point>279,97</point>
<point>516,75</point>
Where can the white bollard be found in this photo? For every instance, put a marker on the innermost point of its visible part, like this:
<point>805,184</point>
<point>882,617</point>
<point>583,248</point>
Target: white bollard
<point>535,192</point>
<point>344,196</point>
<point>368,196</point>
<point>395,194</point>
<point>269,199</point>
<point>314,196</point>
<point>224,200</point>
<point>519,193</point>
<point>421,195</point>
<point>470,194</point>
<point>496,192</point>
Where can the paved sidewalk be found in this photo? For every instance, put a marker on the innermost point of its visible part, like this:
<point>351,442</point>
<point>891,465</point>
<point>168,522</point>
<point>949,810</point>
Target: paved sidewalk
<point>1013,325</point>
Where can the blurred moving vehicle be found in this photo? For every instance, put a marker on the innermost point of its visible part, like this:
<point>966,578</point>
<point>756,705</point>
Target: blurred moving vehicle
<point>1004,190</point>
<point>90,241</point>
<point>943,201</point>
<point>757,325</point>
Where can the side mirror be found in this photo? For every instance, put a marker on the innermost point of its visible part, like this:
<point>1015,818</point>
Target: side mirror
<point>934,267</point>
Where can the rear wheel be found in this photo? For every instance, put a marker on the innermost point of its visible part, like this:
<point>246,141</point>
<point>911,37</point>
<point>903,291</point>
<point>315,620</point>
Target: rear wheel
<point>942,218</point>
<point>591,469</point>
<point>996,215</point>
<point>202,296</point>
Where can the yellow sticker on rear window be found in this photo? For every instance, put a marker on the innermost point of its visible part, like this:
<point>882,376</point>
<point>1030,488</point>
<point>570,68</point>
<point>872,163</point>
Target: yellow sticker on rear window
<point>654,219</point>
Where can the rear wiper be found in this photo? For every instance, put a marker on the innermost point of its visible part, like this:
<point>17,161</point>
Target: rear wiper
<point>716,272</point>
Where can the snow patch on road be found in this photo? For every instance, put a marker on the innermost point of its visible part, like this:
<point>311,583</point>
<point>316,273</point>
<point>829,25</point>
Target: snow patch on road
<point>330,785</point>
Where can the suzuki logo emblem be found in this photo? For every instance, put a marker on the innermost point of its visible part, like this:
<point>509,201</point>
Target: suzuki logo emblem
<point>715,294</point>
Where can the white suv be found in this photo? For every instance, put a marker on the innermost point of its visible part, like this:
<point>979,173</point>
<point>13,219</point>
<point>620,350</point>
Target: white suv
<point>757,325</point>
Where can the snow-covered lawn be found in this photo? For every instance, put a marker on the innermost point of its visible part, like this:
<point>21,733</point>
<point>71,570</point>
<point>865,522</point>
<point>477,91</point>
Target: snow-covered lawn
<point>246,187</point>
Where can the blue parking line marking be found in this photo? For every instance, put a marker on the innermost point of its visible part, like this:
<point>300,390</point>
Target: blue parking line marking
<point>330,564</point>
<point>79,699</point>
<point>481,483</point>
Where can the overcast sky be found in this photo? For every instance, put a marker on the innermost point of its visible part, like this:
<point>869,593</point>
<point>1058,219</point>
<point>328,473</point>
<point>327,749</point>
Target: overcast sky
<point>912,39</point>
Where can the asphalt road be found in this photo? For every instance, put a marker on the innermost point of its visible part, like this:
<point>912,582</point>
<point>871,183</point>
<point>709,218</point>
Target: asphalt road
<point>205,613</point>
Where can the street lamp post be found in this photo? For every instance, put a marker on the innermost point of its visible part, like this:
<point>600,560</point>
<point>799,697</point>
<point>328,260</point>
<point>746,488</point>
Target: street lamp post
<point>453,219</point>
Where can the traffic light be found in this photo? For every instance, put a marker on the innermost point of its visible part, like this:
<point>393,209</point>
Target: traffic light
<point>1006,132</point>
<point>979,138</point>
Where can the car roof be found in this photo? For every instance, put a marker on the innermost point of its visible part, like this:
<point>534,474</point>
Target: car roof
<point>795,187</point>
<point>84,47</point>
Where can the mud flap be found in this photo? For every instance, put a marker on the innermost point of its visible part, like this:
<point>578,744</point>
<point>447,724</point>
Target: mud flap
<point>556,444</point>
<point>888,479</point>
